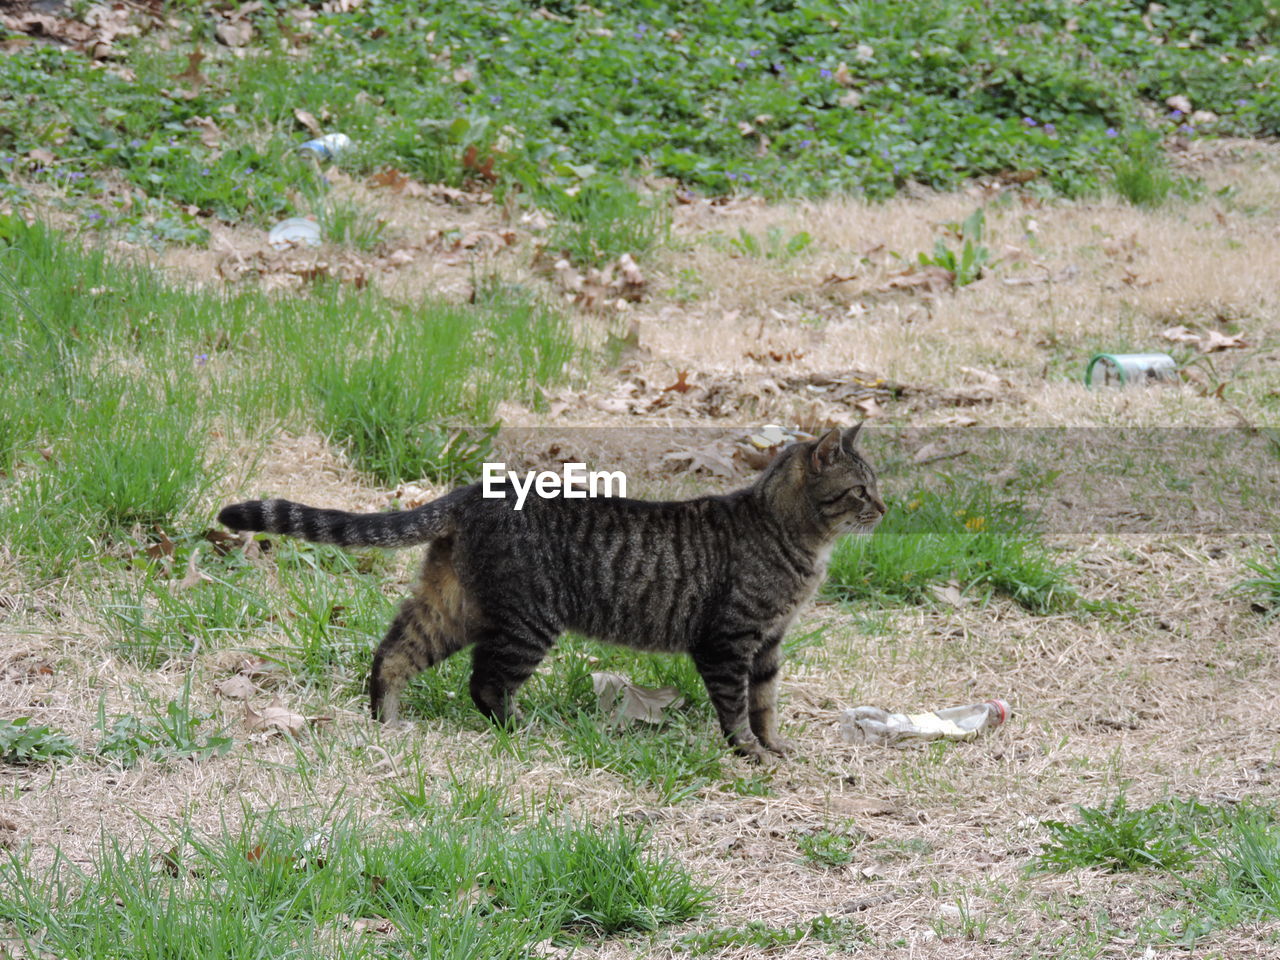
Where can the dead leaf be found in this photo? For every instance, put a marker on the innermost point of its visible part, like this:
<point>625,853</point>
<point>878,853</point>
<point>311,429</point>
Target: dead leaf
<point>192,74</point>
<point>234,33</point>
<point>850,99</point>
<point>192,576</point>
<point>948,593</point>
<point>1215,341</point>
<point>707,459</point>
<point>8,834</point>
<point>238,687</point>
<point>1180,334</point>
<point>308,121</point>
<point>843,76</point>
<point>379,925</point>
<point>277,718</point>
<point>210,135</point>
<point>958,420</point>
<point>41,155</point>
<point>682,385</point>
<point>162,550</point>
<point>627,701</point>
<point>839,806</point>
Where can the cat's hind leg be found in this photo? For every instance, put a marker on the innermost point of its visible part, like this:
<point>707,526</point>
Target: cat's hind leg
<point>414,641</point>
<point>431,625</point>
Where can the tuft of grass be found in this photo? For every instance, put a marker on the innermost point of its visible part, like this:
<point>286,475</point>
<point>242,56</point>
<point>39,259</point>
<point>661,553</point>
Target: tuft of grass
<point>966,532</point>
<point>1265,584</point>
<point>443,891</point>
<point>604,220</point>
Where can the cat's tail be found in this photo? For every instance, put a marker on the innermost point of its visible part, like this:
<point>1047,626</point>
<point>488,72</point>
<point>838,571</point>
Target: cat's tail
<point>401,528</point>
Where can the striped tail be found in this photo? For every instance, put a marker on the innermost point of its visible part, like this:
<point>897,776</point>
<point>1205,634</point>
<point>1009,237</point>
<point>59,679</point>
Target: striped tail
<point>401,528</point>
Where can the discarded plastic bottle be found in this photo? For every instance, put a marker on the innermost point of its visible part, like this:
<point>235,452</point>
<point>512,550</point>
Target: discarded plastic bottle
<point>326,147</point>
<point>1130,369</point>
<point>873,725</point>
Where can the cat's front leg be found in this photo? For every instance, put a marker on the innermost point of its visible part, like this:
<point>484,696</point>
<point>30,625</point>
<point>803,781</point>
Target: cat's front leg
<point>724,669</point>
<point>762,698</point>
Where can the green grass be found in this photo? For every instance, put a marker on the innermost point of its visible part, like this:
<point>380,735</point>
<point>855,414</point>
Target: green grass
<point>280,887</point>
<point>117,381</point>
<point>965,531</point>
<point>838,934</point>
<point>722,98</point>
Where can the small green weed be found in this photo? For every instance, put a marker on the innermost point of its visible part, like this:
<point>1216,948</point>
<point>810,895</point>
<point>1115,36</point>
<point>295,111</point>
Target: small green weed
<point>966,266</point>
<point>1266,584</point>
<point>1250,865</point>
<point>171,732</point>
<point>21,743</point>
<point>828,848</point>
<point>773,246</point>
<point>1119,838</point>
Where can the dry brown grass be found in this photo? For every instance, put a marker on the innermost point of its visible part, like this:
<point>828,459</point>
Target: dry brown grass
<point>1175,698</point>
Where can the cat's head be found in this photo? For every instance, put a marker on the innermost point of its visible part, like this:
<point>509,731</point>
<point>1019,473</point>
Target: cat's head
<point>825,485</point>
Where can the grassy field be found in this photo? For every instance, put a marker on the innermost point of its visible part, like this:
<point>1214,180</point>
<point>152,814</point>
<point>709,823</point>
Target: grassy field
<point>632,235</point>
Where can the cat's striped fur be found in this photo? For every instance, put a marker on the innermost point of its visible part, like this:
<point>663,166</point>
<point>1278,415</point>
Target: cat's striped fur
<point>720,578</point>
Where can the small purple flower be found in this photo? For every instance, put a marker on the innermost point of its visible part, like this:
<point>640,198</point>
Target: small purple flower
<point>94,215</point>
<point>1242,103</point>
<point>248,171</point>
<point>1112,132</point>
<point>1050,129</point>
<point>897,168</point>
<point>753,53</point>
<point>76,175</point>
<point>173,141</point>
<point>1187,128</point>
<point>201,359</point>
<point>204,172</point>
<point>824,73</point>
<point>732,176</point>
<point>1028,122</point>
<point>746,178</point>
<point>807,59</point>
<point>495,99</point>
<point>742,64</point>
<point>1175,114</point>
<point>135,143</point>
<point>806,144</point>
<point>6,159</point>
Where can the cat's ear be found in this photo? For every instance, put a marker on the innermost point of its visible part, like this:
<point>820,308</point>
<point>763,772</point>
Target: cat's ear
<point>826,449</point>
<point>848,438</point>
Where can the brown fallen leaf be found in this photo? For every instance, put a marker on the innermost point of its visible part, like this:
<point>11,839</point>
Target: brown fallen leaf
<point>1180,334</point>
<point>41,155</point>
<point>277,718</point>
<point>1215,341</point>
<point>625,700</point>
<point>192,73</point>
<point>707,459</point>
<point>379,925</point>
<point>164,549</point>
<point>234,33</point>
<point>8,834</point>
<point>948,593</point>
<point>210,135</point>
<point>682,384</point>
<point>308,121</point>
<point>238,687</point>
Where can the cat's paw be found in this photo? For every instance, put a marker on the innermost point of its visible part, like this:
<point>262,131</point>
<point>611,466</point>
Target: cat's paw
<point>753,750</point>
<point>781,746</point>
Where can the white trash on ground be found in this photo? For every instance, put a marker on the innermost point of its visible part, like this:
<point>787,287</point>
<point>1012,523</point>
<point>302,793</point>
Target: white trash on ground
<point>877,726</point>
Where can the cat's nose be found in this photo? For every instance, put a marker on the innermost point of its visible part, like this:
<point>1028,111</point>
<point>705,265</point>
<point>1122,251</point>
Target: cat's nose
<point>879,504</point>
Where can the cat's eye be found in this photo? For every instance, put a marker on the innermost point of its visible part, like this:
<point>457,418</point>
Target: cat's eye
<point>860,492</point>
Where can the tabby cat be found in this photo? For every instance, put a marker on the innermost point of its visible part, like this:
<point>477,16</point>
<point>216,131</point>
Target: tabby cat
<point>718,577</point>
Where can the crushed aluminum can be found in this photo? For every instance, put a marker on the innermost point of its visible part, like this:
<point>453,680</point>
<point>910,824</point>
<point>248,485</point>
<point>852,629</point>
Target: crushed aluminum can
<point>325,148</point>
<point>1130,369</point>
